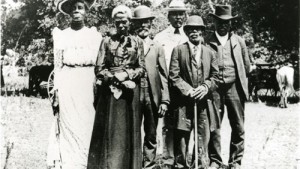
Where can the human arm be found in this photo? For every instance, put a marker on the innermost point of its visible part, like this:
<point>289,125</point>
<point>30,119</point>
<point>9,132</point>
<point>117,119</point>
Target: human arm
<point>174,74</point>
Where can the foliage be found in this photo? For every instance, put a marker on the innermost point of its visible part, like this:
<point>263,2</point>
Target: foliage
<point>269,25</point>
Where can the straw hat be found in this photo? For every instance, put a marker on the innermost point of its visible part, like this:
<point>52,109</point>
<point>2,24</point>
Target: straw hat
<point>65,6</point>
<point>177,5</point>
<point>142,12</point>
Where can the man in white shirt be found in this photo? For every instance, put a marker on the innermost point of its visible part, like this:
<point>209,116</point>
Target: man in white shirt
<point>172,36</point>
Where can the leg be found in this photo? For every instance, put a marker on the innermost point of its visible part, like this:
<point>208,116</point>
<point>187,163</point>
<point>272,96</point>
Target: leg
<point>215,136</point>
<point>150,124</point>
<point>203,138</point>
<point>235,108</point>
<point>181,139</point>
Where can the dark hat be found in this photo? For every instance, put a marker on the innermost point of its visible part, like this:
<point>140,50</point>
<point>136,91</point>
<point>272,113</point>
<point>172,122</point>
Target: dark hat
<point>142,12</point>
<point>177,5</point>
<point>194,21</point>
<point>65,6</point>
<point>223,12</point>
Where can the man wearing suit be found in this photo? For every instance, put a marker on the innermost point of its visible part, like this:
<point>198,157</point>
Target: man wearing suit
<point>170,37</point>
<point>193,74</point>
<point>154,94</point>
<point>234,64</point>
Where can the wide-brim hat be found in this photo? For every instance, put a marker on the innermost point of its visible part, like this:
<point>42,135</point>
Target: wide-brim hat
<point>194,21</point>
<point>177,5</point>
<point>142,12</point>
<point>65,6</point>
<point>223,12</point>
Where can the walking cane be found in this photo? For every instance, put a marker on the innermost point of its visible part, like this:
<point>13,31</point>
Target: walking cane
<point>196,135</point>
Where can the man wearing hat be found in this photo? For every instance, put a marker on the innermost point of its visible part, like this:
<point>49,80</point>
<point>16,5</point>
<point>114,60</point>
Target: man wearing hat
<point>234,64</point>
<point>154,95</point>
<point>172,36</point>
<point>193,74</point>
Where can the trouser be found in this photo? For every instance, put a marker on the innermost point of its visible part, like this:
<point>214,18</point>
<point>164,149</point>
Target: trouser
<point>181,143</point>
<point>149,111</point>
<point>229,95</point>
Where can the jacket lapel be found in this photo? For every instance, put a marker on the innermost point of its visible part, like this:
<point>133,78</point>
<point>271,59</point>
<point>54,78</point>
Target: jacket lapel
<point>188,58</point>
<point>150,46</point>
<point>234,42</point>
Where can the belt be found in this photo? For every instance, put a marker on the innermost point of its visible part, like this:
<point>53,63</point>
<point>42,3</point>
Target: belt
<point>74,66</point>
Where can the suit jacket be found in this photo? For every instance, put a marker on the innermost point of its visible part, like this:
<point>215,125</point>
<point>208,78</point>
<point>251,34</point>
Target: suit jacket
<point>157,73</point>
<point>181,79</point>
<point>240,58</point>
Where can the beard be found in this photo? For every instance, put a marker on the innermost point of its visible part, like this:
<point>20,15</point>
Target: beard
<point>143,32</point>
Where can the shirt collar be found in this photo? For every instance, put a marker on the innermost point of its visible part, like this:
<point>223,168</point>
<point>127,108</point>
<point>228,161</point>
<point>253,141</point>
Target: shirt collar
<point>222,39</point>
<point>192,46</point>
<point>172,30</point>
<point>146,40</point>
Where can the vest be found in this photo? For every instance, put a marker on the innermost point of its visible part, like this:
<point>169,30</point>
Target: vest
<point>227,71</point>
<point>197,73</point>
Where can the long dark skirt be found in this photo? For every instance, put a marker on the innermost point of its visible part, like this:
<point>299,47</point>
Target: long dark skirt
<point>116,138</point>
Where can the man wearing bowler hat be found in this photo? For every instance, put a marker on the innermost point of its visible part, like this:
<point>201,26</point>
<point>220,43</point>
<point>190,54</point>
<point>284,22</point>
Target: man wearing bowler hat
<point>193,75</point>
<point>154,95</point>
<point>173,35</point>
<point>234,65</point>
<point>170,37</point>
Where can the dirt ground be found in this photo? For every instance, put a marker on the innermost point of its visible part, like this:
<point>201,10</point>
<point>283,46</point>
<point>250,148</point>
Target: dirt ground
<point>272,135</point>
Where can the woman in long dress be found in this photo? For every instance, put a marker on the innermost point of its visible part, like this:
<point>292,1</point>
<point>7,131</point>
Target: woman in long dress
<point>116,140</point>
<point>75,54</point>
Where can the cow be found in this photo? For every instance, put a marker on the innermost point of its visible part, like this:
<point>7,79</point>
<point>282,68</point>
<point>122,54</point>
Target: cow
<point>285,79</point>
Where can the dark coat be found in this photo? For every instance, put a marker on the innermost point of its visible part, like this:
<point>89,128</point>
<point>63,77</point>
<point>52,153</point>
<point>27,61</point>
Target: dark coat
<point>157,73</point>
<point>240,56</point>
<point>181,79</point>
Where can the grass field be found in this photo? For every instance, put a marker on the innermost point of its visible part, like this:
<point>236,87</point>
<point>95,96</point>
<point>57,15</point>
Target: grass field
<point>272,134</point>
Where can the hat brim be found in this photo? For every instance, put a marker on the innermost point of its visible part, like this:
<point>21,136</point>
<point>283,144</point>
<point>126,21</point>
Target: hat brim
<point>140,18</point>
<point>65,5</point>
<point>200,26</point>
<point>177,9</point>
<point>223,17</point>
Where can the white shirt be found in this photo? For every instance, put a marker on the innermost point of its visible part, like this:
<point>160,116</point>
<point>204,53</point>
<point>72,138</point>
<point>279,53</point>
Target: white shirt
<point>222,39</point>
<point>146,43</point>
<point>198,54</point>
<point>169,40</point>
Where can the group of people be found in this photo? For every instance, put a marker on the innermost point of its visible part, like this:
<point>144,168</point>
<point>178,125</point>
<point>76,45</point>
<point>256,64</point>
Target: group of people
<point>107,88</point>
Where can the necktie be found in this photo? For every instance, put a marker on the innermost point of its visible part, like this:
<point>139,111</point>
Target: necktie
<point>196,56</point>
<point>176,31</point>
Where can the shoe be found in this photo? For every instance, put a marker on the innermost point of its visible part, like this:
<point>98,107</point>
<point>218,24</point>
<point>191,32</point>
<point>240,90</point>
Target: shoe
<point>214,165</point>
<point>166,167</point>
<point>234,166</point>
<point>189,160</point>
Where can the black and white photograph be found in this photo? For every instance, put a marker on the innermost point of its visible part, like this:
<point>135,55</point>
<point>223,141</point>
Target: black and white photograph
<point>150,84</point>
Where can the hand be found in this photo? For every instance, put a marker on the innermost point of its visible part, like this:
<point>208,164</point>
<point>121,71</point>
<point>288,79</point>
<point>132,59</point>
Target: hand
<point>55,103</point>
<point>163,108</point>
<point>199,92</point>
<point>98,82</point>
<point>122,76</point>
<point>129,84</point>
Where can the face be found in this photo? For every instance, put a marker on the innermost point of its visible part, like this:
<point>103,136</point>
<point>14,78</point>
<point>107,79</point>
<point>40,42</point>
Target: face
<point>194,34</point>
<point>122,24</point>
<point>222,26</point>
<point>176,18</point>
<point>143,27</point>
<point>78,11</point>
